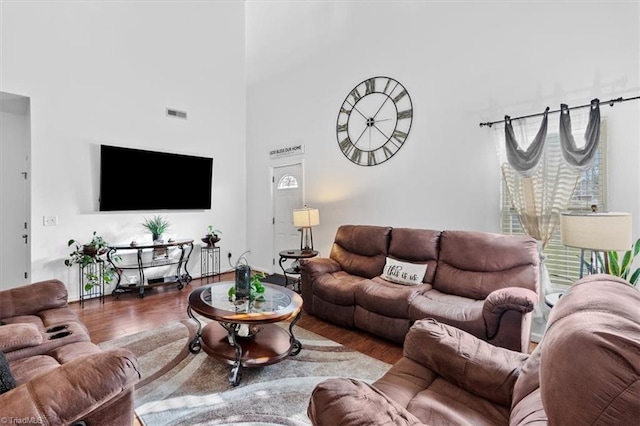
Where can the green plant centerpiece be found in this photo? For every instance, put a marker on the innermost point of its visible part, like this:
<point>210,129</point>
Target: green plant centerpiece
<point>89,256</point>
<point>212,237</point>
<point>157,225</point>
<point>256,289</point>
<point>618,266</point>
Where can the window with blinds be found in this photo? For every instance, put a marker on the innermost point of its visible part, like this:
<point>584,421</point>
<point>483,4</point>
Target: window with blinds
<point>563,263</point>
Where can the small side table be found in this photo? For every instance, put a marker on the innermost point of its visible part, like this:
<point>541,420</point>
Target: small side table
<point>294,267</point>
<point>552,298</point>
<point>209,262</point>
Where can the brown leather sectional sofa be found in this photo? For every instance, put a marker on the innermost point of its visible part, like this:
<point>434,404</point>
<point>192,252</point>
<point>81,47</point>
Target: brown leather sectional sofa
<point>585,371</point>
<point>60,376</point>
<point>486,284</point>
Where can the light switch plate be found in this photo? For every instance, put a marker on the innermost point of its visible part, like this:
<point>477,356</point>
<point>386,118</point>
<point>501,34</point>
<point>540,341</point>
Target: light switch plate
<point>50,220</point>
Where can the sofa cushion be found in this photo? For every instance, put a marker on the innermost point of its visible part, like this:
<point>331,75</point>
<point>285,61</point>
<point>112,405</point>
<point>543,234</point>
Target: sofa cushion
<point>416,246</point>
<point>72,332</point>
<point>21,300</point>
<point>25,369</point>
<point>7,382</point>
<point>444,403</point>
<point>400,272</point>
<point>473,264</point>
<point>385,298</point>
<point>461,312</point>
<point>343,401</point>
<point>426,395</point>
<point>18,336</point>
<point>47,318</point>
<point>337,288</point>
<point>394,329</point>
<point>360,249</point>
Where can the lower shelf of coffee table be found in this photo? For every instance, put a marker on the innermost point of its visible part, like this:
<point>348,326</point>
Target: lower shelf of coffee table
<point>270,345</point>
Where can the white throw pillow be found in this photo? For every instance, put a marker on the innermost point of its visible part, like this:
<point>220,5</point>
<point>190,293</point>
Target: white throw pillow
<point>403,272</point>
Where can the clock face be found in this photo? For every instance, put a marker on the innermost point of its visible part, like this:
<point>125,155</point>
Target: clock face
<point>374,121</point>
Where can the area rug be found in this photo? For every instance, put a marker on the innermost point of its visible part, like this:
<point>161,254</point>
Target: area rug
<point>180,388</point>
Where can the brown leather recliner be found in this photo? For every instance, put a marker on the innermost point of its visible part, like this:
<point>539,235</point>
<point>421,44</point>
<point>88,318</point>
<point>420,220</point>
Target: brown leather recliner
<point>61,377</point>
<point>585,371</point>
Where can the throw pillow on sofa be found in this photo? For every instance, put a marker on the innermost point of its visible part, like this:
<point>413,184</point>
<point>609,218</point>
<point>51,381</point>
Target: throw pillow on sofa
<point>403,272</point>
<point>7,382</point>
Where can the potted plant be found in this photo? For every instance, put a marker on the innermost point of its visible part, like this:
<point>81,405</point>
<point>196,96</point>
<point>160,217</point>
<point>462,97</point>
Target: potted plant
<point>618,266</point>
<point>256,288</point>
<point>92,253</point>
<point>157,225</point>
<point>212,236</point>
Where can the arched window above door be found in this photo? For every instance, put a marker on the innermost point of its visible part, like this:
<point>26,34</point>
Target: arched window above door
<point>288,182</point>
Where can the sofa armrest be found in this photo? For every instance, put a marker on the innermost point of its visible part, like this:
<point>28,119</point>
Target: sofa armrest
<point>319,265</point>
<point>350,402</point>
<point>461,358</point>
<point>33,298</point>
<point>18,336</point>
<point>68,393</point>
<point>510,298</point>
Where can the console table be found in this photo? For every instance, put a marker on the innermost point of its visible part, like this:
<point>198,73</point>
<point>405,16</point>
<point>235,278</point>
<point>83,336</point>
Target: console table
<point>181,277</point>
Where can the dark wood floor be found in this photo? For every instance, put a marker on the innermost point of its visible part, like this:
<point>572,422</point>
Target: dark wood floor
<point>130,314</point>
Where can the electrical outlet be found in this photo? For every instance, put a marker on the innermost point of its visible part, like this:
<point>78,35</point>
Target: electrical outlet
<point>49,220</point>
<point>228,255</point>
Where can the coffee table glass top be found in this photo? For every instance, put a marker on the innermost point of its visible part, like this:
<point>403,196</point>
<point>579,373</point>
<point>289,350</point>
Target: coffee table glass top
<point>272,300</point>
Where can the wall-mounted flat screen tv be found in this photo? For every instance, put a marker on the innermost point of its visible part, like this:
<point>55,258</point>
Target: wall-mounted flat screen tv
<point>135,179</point>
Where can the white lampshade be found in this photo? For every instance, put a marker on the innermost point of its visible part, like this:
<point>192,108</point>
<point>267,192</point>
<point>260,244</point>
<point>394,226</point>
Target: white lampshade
<point>306,217</point>
<point>597,231</point>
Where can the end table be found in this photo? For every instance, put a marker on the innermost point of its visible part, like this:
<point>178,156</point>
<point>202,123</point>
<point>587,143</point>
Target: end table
<point>294,267</point>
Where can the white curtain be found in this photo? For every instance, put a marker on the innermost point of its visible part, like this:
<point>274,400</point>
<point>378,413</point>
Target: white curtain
<point>538,179</point>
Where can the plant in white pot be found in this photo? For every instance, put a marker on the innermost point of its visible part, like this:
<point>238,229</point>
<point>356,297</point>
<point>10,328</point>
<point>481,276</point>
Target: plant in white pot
<point>157,225</point>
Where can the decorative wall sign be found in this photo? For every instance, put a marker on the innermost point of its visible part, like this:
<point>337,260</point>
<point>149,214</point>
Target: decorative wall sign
<point>287,151</point>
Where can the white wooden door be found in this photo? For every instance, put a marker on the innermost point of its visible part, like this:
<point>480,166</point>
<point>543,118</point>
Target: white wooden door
<point>287,196</point>
<point>15,175</point>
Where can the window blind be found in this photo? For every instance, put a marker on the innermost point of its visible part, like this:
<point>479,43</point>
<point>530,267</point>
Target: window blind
<point>563,263</point>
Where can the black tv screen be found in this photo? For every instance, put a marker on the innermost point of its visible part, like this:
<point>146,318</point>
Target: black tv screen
<point>135,179</point>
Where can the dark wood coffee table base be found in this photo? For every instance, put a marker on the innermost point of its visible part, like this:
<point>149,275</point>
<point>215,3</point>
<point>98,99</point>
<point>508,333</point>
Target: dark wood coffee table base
<point>270,345</point>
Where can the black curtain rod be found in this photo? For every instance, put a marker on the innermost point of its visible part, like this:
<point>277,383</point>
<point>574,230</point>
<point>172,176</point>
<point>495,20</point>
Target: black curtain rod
<point>611,102</point>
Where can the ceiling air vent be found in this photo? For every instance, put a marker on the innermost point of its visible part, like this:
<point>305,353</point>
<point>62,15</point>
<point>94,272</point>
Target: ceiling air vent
<point>176,114</point>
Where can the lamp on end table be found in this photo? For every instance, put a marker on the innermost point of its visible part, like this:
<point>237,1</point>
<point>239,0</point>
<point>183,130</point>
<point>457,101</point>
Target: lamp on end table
<point>305,218</point>
<point>596,232</point>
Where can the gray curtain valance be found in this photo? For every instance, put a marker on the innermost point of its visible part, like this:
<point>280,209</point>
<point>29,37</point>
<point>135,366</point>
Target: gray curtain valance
<point>580,158</point>
<point>525,161</point>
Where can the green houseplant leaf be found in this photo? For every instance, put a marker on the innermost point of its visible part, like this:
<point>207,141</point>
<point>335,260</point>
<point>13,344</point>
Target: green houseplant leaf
<point>622,267</point>
<point>157,225</point>
<point>92,253</point>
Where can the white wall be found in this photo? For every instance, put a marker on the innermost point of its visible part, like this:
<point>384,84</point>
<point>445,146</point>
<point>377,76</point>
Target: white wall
<point>462,63</point>
<point>103,73</point>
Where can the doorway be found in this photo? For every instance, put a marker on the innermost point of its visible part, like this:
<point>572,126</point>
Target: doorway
<point>287,193</point>
<point>15,178</point>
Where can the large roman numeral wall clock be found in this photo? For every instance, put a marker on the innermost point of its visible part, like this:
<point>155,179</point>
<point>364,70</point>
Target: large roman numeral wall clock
<point>374,121</point>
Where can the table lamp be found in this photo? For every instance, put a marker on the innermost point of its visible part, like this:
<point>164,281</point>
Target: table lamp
<point>305,218</point>
<point>596,232</point>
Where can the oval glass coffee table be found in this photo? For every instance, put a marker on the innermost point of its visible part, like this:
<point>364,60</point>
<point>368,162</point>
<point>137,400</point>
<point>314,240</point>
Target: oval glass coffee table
<point>243,333</point>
